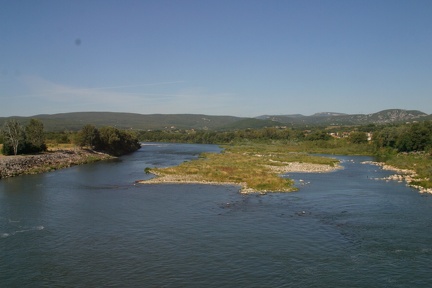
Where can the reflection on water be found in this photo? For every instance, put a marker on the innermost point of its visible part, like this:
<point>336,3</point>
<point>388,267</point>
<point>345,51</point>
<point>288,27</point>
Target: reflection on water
<point>91,226</point>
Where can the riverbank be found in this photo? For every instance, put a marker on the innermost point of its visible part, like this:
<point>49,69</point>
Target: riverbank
<point>11,166</point>
<point>410,177</point>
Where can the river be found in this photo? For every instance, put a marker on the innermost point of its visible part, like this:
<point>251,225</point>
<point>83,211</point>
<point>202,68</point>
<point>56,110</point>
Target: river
<point>91,226</point>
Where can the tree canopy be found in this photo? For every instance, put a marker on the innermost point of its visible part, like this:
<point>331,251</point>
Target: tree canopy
<point>22,140</point>
<point>405,138</point>
<point>108,139</point>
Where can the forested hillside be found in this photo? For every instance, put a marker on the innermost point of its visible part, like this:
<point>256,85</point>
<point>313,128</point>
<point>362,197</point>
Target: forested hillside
<point>75,121</point>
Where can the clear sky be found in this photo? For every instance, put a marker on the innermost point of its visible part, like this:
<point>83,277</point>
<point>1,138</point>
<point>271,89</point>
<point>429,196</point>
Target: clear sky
<point>215,57</point>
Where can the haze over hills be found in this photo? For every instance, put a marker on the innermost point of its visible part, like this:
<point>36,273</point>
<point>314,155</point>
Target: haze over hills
<point>75,121</point>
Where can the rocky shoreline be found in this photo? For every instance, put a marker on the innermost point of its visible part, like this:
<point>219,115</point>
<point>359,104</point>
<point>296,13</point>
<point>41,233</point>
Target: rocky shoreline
<point>402,175</point>
<point>11,166</point>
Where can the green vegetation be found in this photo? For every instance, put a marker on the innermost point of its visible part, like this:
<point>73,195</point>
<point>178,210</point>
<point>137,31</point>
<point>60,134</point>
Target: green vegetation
<point>405,138</point>
<point>421,163</point>
<point>23,140</point>
<point>32,138</point>
<point>397,145</point>
<point>407,146</point>
<point>297,140</point>
<point>222,137</point>
<point>108,139</point>
<point>254,166</point>
<point>358,137</point>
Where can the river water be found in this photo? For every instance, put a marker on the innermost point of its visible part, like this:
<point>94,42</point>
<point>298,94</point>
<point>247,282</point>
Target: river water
<point>90,226</point>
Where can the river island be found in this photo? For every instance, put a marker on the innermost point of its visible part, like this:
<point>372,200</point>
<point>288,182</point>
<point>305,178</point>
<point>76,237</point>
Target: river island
<point>255,168</point>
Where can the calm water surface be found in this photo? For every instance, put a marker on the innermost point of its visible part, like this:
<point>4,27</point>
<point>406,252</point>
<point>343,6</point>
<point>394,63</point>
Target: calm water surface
<point>90,226</point>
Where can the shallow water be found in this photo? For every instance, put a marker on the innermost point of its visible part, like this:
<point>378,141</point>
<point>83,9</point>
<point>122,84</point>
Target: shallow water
<point>91,226</point>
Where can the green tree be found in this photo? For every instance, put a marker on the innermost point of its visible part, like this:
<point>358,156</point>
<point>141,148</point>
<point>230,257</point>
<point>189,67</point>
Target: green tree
<point>358,137</point>
<point>387,137</point>
<point>88,136</point>
<point>117,142</point>
<point>13,135</point>
<point>318,135</point>
<point>421,134</point>
<point>34,136</point>
<point>404,140</point>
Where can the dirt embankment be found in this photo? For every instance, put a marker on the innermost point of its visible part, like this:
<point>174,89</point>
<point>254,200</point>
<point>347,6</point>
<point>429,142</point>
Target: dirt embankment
<point>11,166</point>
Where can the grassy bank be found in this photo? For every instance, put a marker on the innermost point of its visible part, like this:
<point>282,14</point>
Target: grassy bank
<point>256,167</point>
<point>421,163</point>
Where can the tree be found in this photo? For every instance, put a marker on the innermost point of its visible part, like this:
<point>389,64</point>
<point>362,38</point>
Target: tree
<point>358,137</point>
<point>421,136</point>
<point>117,142</point>
<point>318,135</point>
<point>387,137</point>
<point>34,136</point>
<point>88,136</point>
<point>13,135</point>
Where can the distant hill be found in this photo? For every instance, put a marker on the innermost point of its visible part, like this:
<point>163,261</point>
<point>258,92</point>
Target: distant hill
<point>332,118</point>
<point>251,123</point>
<point>327,114</point>
<point>75,121</point>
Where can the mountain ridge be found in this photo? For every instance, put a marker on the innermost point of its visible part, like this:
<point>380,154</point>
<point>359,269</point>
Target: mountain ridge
<point>332,118</point>
<point>76,120</point>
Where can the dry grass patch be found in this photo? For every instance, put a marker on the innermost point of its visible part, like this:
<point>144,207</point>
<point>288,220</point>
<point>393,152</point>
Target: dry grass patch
<point>56,147</point>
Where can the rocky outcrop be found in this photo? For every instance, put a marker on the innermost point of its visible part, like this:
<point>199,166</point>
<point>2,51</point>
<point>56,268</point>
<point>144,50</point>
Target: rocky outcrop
<point>11,166</point>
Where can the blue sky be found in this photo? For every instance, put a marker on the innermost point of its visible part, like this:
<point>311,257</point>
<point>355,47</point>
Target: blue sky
<point>240,58</point>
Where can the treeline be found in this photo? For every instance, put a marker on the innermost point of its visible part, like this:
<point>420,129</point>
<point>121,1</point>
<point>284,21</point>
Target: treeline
<point>31,138</point>
<point>108,139</point>
<point>400,138</point>
<point>220,137</point>
<point>264,134</point>
<point>19,139</point>
<point>405,138</point>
